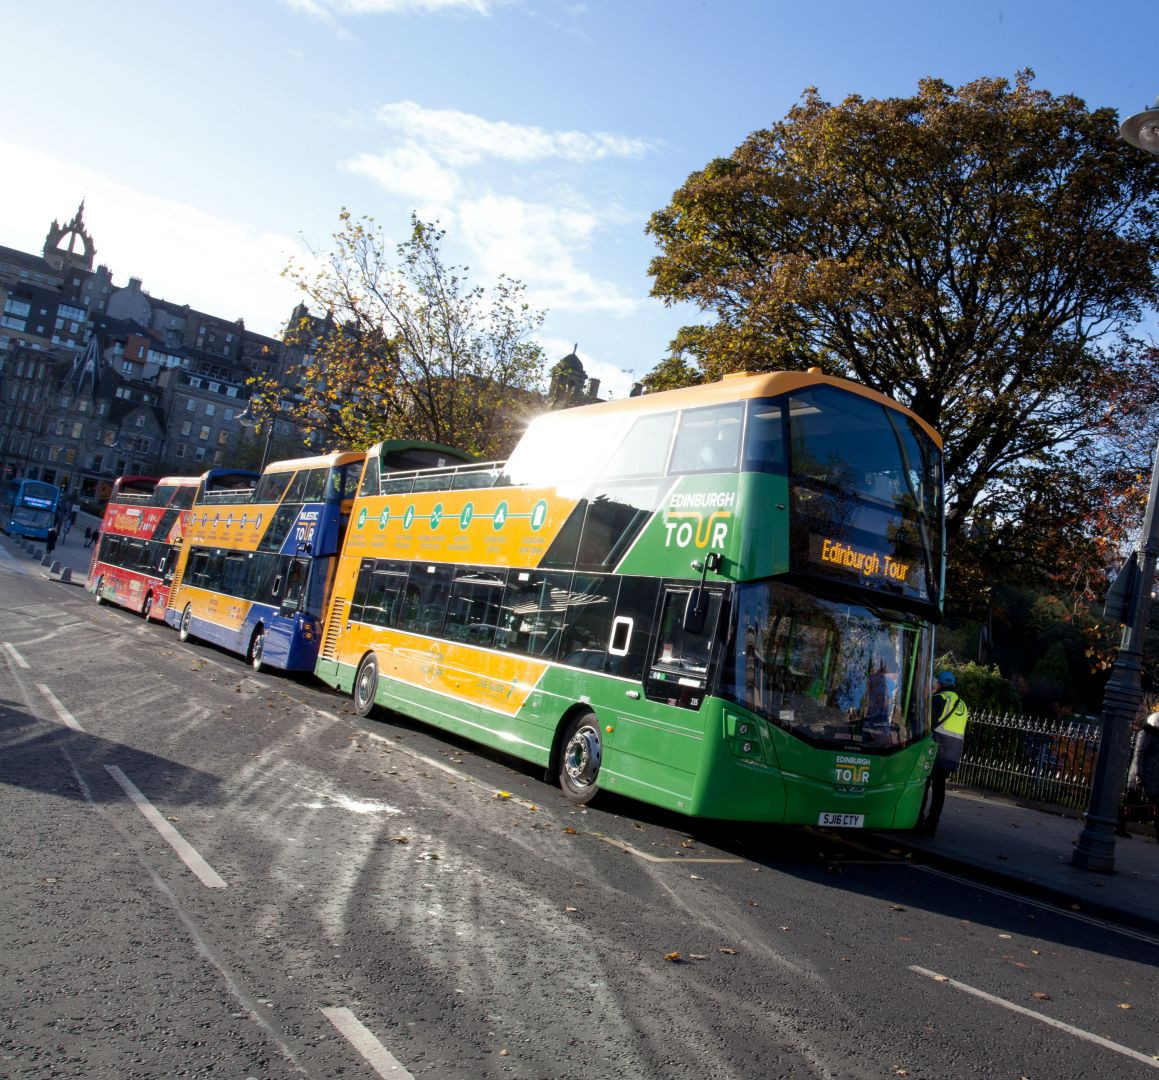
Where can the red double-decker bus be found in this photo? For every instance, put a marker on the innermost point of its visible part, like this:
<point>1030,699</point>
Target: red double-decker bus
<point>141,533</point>
<point>136,549</point>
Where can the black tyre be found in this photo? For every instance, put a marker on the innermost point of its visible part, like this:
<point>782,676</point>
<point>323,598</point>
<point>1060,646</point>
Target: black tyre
<point>186,618</point>
<point>257,649</point>
<point>147,606</point>
<point>97,591</point>
<point>580,753</point>
<point>365,685</point>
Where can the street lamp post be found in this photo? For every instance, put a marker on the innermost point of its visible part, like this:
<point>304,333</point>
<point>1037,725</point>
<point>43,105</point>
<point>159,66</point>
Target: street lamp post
<point>1131,598</point>
<point>247,420</point>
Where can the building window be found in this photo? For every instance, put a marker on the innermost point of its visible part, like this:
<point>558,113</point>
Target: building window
<point>199,453</point>
<point>180,451</point>
<point>204,433</point>
<point>191,405</point>
<point>77,430</point>
<point>210,408</point>
<point>140,421</point>
<point>186,427</point>
<point>222,438</point>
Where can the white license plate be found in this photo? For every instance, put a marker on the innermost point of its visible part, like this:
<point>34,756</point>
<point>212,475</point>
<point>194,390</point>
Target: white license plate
<point>842,821</point>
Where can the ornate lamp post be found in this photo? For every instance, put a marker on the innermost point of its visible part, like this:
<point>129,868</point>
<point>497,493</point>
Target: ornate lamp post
<point>247,420</point>
<point>1130,600</point>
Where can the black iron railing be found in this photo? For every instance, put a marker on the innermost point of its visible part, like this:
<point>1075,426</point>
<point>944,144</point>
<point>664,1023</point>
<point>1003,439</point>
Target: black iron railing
<point>1047,761</point>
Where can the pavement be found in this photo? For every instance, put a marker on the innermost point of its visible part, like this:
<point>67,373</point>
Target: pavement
<point>1025,849</point>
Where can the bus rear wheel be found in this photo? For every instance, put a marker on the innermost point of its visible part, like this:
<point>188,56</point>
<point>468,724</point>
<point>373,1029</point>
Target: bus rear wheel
<point>257,649</point>
<point>581,751</point>
<point>365,685</point>
<point>183,627</point>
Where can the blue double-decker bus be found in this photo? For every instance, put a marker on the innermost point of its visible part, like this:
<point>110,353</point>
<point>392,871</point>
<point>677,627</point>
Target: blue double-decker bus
<point>256,564</point>
<point>28,507</point>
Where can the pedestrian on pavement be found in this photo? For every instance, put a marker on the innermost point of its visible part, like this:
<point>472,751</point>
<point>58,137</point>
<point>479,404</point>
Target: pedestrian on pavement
<point>950,719</point>
<point>65,525</point>
<point>88,536</point>
<point>73,510</point>
<point>1142,797</point>
<point>50,541</point>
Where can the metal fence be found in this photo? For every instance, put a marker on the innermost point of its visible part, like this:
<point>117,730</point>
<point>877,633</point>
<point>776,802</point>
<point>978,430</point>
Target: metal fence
<point>1047,761</point>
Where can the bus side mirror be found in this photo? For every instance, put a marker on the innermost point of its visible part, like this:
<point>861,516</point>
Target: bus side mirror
<point>695,611</point>
<point>697,607</point>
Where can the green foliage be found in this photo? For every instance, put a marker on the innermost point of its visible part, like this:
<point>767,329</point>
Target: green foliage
<point>408,349</point>
<point>982,687</point>
<point>977,253</point>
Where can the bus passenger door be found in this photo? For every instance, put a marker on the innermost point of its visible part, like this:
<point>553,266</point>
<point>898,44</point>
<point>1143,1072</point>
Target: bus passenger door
<point>294,594</point>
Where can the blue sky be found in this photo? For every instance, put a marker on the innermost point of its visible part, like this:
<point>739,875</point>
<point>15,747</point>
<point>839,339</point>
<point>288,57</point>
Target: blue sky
<point>215,139</point>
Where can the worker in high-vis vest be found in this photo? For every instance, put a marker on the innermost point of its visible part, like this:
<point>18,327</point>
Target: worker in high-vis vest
<point>950,717</point>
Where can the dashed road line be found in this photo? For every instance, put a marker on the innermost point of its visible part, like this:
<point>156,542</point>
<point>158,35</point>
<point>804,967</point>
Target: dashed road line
<point>186,852</point>
<point>17,659</point>
<point>381,1060</point>
<point>1126,1051</point>
<point>62,713</point>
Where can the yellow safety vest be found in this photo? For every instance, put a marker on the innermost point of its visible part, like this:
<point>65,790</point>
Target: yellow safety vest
<point>955,716</point>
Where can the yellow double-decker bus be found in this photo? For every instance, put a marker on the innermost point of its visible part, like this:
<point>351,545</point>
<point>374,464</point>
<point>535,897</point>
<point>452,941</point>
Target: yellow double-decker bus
<point>718,600</point>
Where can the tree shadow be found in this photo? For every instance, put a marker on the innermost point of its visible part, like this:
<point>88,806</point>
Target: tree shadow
<point>35,755</point>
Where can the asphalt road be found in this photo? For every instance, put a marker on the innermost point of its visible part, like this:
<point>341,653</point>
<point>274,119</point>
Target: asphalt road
<point>212,873</point>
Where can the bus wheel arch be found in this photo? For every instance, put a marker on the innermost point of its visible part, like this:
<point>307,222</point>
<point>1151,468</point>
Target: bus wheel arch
<point>257,648</point>
<point>183,633</point>
<point>578,754</point>
<point>365,688</point>
<point>147,606</point>
<point>97,590</point>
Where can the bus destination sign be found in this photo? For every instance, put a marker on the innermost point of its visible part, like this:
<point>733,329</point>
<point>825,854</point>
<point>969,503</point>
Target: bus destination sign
<point>874,566</point>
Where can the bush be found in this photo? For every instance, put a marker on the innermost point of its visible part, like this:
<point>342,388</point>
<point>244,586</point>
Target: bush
<point>981,686</point>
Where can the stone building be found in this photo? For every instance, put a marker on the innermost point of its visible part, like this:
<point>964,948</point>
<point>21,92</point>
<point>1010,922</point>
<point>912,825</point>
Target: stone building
<point>98,381</point>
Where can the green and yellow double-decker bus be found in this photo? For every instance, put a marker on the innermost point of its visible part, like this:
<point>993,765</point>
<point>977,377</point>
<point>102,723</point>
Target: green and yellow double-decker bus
<point>718,600</point>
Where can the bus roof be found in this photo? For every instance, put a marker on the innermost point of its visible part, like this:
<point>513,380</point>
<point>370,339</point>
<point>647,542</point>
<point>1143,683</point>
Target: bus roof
<point>741,385</point>
<point>179,481</point>
<point>338,457</point>
<point>138,485</point>
<point>414,454</point>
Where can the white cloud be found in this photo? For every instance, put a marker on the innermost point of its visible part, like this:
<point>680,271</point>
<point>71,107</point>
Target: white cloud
<point>409,171</point>
<point>461,138</point>
<point>539,244</point>
<point>448,166</point>
<point>182,254</point>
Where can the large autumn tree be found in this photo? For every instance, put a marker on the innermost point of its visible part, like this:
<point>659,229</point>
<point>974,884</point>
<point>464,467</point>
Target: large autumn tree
<point>396,343</point>
<point>979,253</point>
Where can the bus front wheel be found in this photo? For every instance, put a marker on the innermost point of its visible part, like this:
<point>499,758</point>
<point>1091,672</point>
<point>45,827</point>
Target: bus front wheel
<point>97,591</point>
<point>257,648</point>
<point>365,685</point>
<point>186,618</point>
<point>581,751</point>
<point>147,606</point>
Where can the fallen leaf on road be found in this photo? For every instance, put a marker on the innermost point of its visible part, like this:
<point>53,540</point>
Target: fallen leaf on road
<point>400,839</point>
<point>1124,1005</point>
<point>570,831</point>
<point>503,795</point>
<point>727,951</point>
<point>1038,995</point>
<point>697,956</point>
<point>672,957</point>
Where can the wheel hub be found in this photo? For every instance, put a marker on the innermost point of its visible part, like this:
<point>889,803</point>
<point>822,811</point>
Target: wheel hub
<point>581,756</point>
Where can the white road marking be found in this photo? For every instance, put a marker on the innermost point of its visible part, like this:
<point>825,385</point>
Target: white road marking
<point>381,1060</point>
<point>65,716</point>
<point>186,852</point>
<point>16,657</point>
<point>1126,1051</point>
<point>665,858</point>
